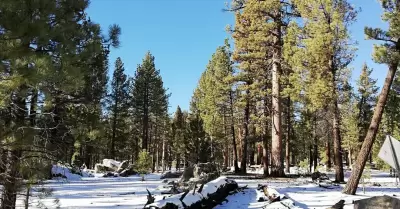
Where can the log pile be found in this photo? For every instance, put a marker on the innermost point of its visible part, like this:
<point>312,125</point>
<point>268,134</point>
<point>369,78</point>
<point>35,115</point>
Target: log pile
<point>206,196</point>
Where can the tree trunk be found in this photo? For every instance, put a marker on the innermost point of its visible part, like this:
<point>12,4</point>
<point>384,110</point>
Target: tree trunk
<point>311,157</point>
<point>252,152</point>
<point>114,127</point>
<point>315,154</point>
<point>350,160</point>
<point>226,150</point>
<point>11,184</point>
<point>276,152</point>
<point>178,162</point>
<point>157,157</point>
<point>289,126</point>
<point>259,154</point>
<point>315,151</point>
<point>145,130</point>
<point>163,155</point>
<point>245,136</point>
<point>339,175</point>
<point>265,154</point>
<point>328,154</point>
<point>352,184</point>
<point>235,153</point>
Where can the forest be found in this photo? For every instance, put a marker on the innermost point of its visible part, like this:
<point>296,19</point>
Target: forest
<point>277,93</point>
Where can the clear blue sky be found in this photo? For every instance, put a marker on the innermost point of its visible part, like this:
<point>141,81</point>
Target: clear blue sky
<point>183,34</point>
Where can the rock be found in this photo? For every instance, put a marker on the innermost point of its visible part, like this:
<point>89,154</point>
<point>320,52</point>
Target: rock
<point>123,165</point>
<point>169,175</point>
<point>378,202</point>
<point>205,172</point>
<point>375,184</point>
<point>187,174</point>
<point>108,174</point>
<point>319,176</point>
<point>129,171</point>
<point>99,168</point>
<point>338,205</point>
<point>199,174</point>
<point>204,168</point>
<point>113,164</point>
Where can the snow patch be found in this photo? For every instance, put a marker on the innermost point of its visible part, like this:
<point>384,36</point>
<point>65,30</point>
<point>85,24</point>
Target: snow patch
<point>64,171</point>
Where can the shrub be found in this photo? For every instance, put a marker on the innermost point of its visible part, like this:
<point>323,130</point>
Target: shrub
<point>144,162</point>
<point>304,165</point>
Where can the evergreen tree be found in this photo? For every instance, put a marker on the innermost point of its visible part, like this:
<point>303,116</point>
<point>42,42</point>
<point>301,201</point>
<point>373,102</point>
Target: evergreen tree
<point>250,36</point>
<point>325,45</point>
<point>366,97</point>
<point>150,98</point>
<point>178,134</point>
<point>118,108</point>
<point>43,60</point>
<point>389,54</point>
<point>214,100</point>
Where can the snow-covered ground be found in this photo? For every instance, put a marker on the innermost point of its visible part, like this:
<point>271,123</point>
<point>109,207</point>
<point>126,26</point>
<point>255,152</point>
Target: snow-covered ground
<point>130,192</point>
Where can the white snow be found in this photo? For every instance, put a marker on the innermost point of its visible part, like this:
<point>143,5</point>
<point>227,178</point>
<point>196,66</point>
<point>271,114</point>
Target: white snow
<point>66,171</point>
<point>130,192</point>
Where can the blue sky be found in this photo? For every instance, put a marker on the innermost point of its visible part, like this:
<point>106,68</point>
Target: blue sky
<point>183,34</point>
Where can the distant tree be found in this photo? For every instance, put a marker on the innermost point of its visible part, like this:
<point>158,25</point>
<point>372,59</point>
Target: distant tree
<point>118,107</point>
<point>150,98</point>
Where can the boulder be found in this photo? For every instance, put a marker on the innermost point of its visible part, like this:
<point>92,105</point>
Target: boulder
<point>319,176</point>
<point>199,174</point>
<point>110,174</point>
<point>113,164</point>
<point>100,168</point>
<point>187,174</point>
<point>129,171</point>
<point>123,166</point>
<point>204,168</point>
<point>170,175</point>
<point>378,202</point>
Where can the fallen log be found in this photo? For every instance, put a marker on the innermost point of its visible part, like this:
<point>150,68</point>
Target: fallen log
<point>208,196</point>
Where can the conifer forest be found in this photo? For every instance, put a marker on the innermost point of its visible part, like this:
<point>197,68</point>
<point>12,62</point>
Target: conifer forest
<point>277,101</point>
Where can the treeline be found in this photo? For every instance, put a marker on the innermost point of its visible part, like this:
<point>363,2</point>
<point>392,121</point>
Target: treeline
<point>283,94</point>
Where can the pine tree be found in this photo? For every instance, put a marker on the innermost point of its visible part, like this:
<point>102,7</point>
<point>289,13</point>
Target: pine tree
<point>118,107</point>
<point>178,134</point>
<point>388,54</point>
<point>214,100</point>
<point>150,98</point>
<point>43,60</point>
<point>249,34</point>
<point>326,47</point>
<point>198,146</point>
<point>367,91</point>
<point>259,34</point>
